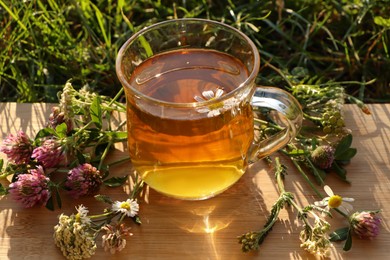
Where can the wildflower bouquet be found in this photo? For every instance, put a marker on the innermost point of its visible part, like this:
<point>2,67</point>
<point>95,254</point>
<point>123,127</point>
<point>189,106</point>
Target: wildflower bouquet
<point>68,158</point>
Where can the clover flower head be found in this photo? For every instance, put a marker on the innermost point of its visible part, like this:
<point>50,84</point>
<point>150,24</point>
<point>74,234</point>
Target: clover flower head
<point>129,207</point>
<point>50,154</point>
<point>114,239</point>
<point>323,156</point>
<point>315,239</point>
<point>217,108</point>
<point>18,148</point>
<point>75,240</point>
<point>365,224</point>
<point>335,201</point>
<point>31,189</point>
<point>83,180</point>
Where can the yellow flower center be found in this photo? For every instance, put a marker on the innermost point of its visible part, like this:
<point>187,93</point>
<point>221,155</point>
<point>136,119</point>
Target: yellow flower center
<point>335,201</point>
<point>216,105</point>
<point>125,205</point>
<point>77,217</point>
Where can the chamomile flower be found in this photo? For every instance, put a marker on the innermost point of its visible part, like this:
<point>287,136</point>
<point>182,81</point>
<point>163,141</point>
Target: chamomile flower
<point>335,201</point>
<point>82,215</point>
<point>217,108</point>
<point>129,207</point>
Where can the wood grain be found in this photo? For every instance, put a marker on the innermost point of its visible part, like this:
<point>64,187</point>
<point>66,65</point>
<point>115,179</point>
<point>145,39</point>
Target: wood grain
<point>174,229</point>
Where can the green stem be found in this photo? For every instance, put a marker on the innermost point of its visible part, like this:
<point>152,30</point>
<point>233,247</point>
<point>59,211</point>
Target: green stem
<point>306,178</point>
<point>119,161</point>
<point>105,152</point>
<point>101,215</point>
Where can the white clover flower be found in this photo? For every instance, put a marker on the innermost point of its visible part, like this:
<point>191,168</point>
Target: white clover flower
<point>129,207</point>
<point>335,201</point>
<point>217,108</point>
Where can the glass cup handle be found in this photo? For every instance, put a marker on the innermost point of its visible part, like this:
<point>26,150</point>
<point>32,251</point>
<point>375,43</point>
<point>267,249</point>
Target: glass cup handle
<point>289,114</point>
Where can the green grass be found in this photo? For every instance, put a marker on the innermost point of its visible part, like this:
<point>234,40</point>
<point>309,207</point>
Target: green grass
<point>44,43</point>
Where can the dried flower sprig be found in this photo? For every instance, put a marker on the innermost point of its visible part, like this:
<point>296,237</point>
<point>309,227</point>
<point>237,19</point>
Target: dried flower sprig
<point>313,236</point>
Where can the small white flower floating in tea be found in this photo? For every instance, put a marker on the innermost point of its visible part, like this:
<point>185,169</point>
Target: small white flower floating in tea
<point>218,107</point>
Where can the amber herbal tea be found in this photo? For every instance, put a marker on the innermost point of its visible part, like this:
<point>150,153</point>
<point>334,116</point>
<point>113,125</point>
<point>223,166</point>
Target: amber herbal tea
<point>195,152</point>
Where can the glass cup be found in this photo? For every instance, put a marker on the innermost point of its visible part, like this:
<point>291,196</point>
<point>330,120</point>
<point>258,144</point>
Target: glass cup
<point>190,92</point>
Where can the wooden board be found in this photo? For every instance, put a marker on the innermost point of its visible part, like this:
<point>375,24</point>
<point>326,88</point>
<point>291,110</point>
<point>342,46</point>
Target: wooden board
<point>174,229</point>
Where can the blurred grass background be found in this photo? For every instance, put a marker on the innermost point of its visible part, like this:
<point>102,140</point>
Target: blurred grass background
<point>44,43</point>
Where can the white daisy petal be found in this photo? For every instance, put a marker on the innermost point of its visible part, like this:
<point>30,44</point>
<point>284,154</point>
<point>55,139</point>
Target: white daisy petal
<point>347,206</point>
<point>203,110</point>
<point>328,191</point>
<point>208,94</point>
<point>320,203</point>
<point>214,112</point>
<point>219,93</point>
<point>343,209</point>
<point>199,99</point>
<point>348,199</point>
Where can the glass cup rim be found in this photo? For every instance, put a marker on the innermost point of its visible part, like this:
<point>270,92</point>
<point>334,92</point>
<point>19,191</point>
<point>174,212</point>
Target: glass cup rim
<point>251,77</point>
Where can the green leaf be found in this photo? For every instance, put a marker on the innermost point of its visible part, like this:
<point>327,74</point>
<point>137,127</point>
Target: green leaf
<point>62,130</point>
<point>379,20</point>
<point>319,175</point>
<point>118,135</point>
<point>44,132</point>
<point>80,157</point>
<point>102,22</point>
<point>348,242</point>
<point>343,145</point>
<point>58,197</point>
<point>50,204</point>
<point>340,234</point>
<point>137,219</point>
<point>3,190</point>
<point>346,155</point>
<point>1,164</point>
<point>341,172</point>
<point>96,111</point>
<point>103,198</point>
<point>115,181</point>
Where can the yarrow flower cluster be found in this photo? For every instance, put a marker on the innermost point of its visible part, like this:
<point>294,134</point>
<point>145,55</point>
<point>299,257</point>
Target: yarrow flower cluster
<point>75,236</point>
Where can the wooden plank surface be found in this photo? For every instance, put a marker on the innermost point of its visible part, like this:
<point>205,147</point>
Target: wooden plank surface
<point>174,229</point>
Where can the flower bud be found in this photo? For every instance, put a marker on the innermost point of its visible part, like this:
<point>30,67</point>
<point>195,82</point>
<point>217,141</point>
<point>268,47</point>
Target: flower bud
<point>323,156</point>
